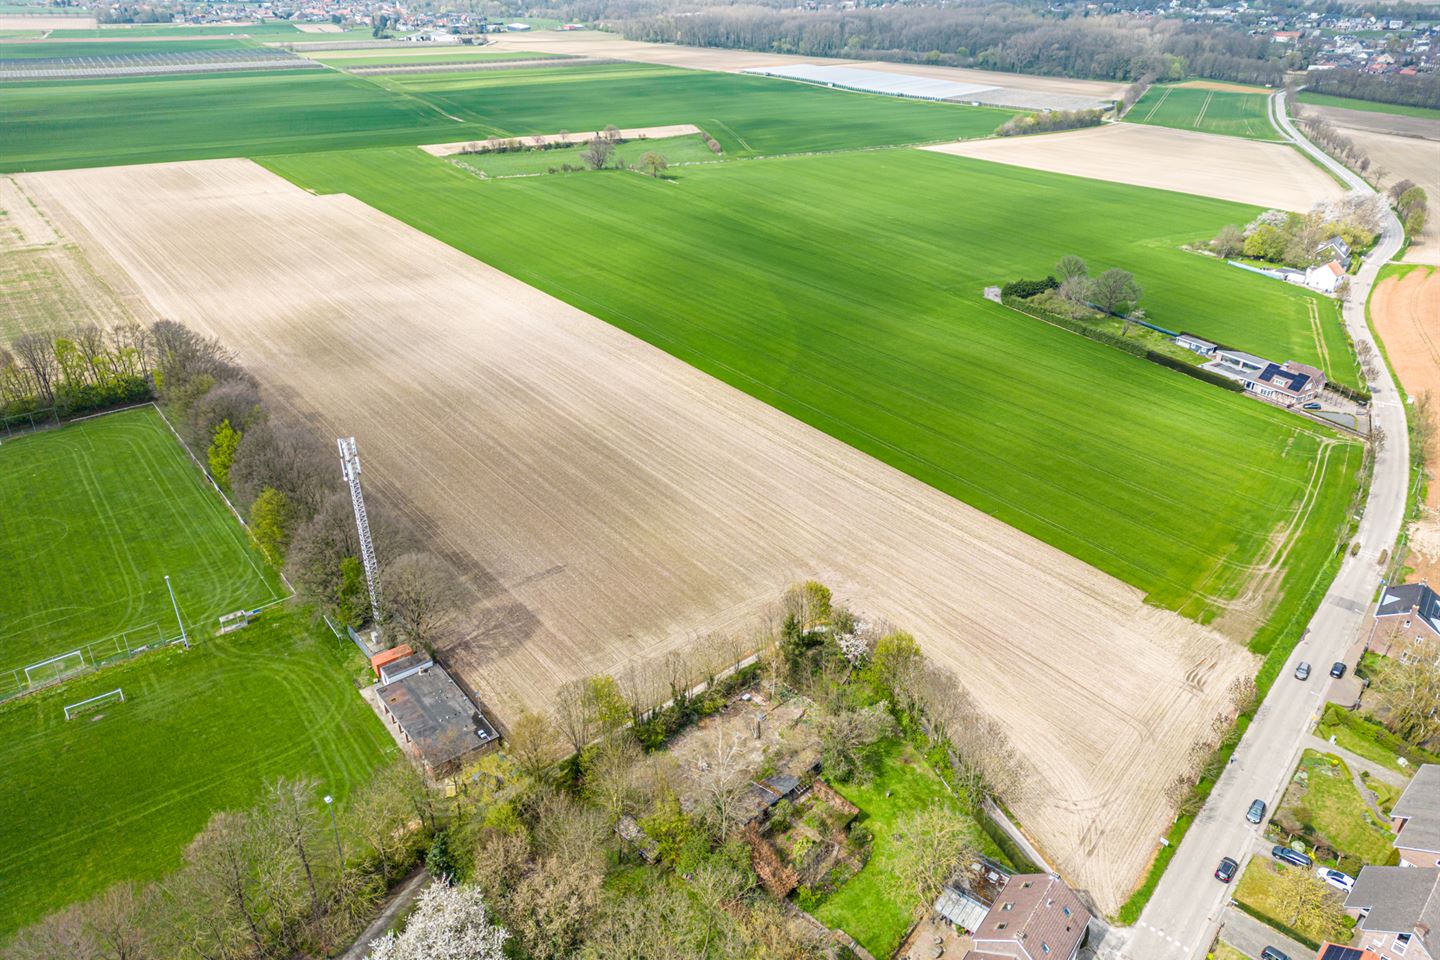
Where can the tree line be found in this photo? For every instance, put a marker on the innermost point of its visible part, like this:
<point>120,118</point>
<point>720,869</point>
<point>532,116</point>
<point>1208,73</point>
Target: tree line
<point>1004,36</point>
<point>80,371</point>
<point>1049,122</point>
<point>1417,91</point>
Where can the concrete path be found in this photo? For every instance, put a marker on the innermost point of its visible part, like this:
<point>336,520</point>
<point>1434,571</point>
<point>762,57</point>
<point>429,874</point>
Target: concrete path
<point>1187,909</point>
<point>1248,935</point>
<point>400,899</point>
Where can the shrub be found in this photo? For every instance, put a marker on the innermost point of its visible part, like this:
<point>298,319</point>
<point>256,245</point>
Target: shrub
<point>1025,289</point>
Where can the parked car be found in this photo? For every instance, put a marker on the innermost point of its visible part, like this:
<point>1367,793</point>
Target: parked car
<point>1337,669</point>
<point>1312,406</point>
<point>1336,879</point>
<point>1292,857</point>
<point>1226,871</point>
<point>1256,814</point>
<point>1302,672</point>
<point>1270,953</point>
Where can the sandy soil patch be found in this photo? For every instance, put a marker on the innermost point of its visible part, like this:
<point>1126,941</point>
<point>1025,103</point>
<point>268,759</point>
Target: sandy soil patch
<point>47,282</point>
<point>319,28</point>
<point>1425,548</point>
<point>609,503</point>
<point>633,133</point>
<point>1406,314</point>
<point>21,21</point>
<point>1222,85</point>
<point>711,58</point>
<point>1266,174</point>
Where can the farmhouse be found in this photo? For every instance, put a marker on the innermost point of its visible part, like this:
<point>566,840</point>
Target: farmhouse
<point>1285,384</point>
<point>1325,277</point>
<point>1336,249</point>
<point>1407,616</point>
<point>1034,916</point>
<point>434,715</point>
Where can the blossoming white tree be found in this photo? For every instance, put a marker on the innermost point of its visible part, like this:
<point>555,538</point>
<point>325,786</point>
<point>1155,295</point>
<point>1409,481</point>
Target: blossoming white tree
<point>450,923</point>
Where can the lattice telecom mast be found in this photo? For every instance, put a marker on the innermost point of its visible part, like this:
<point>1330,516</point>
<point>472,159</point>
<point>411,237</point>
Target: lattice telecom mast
<point>350,465</point>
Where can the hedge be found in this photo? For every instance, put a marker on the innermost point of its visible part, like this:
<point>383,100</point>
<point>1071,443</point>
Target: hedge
<point>1025,289</point>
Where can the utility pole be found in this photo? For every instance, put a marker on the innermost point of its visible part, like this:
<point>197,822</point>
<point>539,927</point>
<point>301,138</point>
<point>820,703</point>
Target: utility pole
<point>339,850</point>
<point>183,639</point>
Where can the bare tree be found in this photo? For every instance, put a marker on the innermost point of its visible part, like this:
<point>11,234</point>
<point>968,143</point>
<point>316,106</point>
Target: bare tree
<point>380,814</point>
<point>1410,690</point>
<point>722,782</point>
<point>1307,903</point>
<point>422,595</point>
<point>533,742</point>
<point>597,153</point>
<point>572,714</point>
<point>929,847</point>
<point>291,812</point>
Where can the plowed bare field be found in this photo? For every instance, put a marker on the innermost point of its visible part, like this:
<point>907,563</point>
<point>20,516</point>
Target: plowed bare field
<point>1265,174</point>
<point>1406,314</point>
<point>609,503</point>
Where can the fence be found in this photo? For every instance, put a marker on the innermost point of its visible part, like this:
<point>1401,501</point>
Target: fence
<point>21,680</point>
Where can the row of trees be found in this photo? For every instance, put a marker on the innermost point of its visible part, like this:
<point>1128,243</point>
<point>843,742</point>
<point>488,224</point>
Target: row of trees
<point>1049,122</point>
<point>1411,205</point>
<point>1070,290</point>
<point>1003,36</point>
<point>1417,91</point>
<point>83,369</point>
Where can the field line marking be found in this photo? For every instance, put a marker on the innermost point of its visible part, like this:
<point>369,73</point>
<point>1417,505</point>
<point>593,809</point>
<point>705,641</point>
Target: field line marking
<point>1199,117</point>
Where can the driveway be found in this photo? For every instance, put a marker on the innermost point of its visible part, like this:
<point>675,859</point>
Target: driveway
<point>1248,935</point>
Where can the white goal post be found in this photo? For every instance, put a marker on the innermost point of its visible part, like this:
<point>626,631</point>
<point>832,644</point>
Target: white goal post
<point>77,654</point>
<point>75,708</point>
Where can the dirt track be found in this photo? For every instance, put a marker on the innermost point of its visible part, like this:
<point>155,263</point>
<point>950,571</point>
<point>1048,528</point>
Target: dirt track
<point>1406,315</point>
<point>610,503</point>
<point>1265,174</point>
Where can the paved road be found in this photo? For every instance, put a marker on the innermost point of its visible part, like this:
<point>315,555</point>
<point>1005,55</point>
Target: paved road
<point>400,900</point>
<point>1250,936</point>
<point>1183,916</point>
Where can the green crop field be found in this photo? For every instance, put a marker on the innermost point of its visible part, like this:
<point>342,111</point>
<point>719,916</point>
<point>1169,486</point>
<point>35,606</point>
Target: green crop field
<point>859,311</point>
<point>96,515</point>
<point>345,59</point>
<point>46,49</point>
<point>1369,106</point>
<point>265,31</point>
<point>1208,111</point>
<point>85,123</point>
<point>675,150</point>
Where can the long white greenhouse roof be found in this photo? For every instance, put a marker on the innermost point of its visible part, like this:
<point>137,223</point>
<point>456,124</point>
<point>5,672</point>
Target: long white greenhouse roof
<point>876,81</point>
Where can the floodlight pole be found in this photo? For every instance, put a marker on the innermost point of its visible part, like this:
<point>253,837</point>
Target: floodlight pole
<point>330,805</point>
<point>183,639</point>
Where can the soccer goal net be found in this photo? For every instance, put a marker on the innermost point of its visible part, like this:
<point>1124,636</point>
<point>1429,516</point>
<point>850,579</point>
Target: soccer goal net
<point>55,667</point>
<point>94,703</point>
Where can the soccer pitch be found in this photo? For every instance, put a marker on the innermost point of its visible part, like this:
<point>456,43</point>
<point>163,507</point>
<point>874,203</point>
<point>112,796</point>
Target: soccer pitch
<point>95,515</point>
<point>1228,112</point>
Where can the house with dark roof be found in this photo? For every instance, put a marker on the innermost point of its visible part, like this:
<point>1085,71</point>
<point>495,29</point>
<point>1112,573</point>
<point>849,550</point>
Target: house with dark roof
<point>1416,816</point>
<point>1399,911</point>
<point>435,719</point>
<point>1336,249</point>
<point>1285,384</point>
<point>1338,951</point>
<point>1035,916</point>
<point>1407,623</point>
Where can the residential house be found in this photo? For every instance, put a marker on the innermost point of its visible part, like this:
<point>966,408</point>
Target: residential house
<point>1325,277</point>
<point>1399,911</point>
<point>1407,617</point>
<point>1335,249</point>
<point>1286,384</point>
<point>1338,951</point>
<point>1035,916</point>
<point>1416,816</point>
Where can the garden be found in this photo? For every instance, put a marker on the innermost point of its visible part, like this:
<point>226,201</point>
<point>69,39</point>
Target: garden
<point>1325,810</point>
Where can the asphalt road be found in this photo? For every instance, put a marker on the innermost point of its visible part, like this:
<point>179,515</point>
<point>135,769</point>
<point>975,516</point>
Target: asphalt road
<point>1186,911</point>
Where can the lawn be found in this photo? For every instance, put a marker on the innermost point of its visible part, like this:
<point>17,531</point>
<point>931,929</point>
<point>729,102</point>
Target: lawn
<point>1256,890</point>
<point>117,794</point>
<point>1208,111</point>
<point>1369,106</point>
<point>675,150</point>
<point>859,312</point>
<point>1330,802</point>
<point>867,907</point>
<point>748,115</point>
<point>1223,951</point>
<point>97,515</point>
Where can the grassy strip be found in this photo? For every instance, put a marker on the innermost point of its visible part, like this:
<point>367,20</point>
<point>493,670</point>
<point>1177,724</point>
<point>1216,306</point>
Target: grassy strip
<point>1368,106</point>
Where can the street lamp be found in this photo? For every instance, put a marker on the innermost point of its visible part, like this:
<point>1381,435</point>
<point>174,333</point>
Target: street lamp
<point>183,639</point>
<point>330,805</point>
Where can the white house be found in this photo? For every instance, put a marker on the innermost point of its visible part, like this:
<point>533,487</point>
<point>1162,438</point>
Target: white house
<point>1325,277</point>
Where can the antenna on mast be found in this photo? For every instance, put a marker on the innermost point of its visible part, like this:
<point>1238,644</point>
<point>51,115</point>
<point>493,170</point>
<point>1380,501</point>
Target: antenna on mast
<point>350,466</point>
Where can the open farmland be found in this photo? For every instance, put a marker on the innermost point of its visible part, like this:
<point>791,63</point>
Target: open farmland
<point>58,49</point>
<point>416,53</point>
<point>1405,312</point>
<point>1391,110</point>
<point>96,514</point>
<point>1263,174</point>
<point>75,123</point>
<point>1207,110</point>
<point>610,502</point>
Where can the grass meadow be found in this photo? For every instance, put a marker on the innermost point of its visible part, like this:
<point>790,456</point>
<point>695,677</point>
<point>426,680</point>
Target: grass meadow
<point>97,514</point>
<point>345,59</point>
<point>859,311</point>
<point>119,48</point>
<point>88,123</point>
<point>1208,111</point>
<point>1369,106</point>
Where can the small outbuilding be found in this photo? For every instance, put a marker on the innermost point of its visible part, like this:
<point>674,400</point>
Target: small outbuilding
<point>384,657</point>
<point>1195,345</point>
<point>435,716</point>
<point>405,667</point>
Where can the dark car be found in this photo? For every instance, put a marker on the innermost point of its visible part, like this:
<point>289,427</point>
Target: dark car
<point>1302,672</point>
<point>1312,406</point>
<point>1293,857</point>
<point>1226,871</point>
<point>1256,813</point>
<point>1270,953</point>
<point>1337,669</point>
